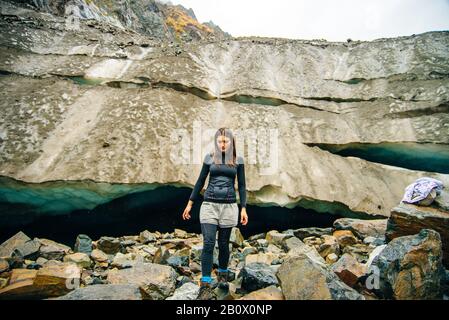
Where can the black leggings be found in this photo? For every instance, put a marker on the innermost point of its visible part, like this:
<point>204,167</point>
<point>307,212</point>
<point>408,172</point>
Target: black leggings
<point>209,232</point>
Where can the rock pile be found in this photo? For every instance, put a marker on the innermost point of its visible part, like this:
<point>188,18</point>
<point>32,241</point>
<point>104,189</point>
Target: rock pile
<point>349,261</point>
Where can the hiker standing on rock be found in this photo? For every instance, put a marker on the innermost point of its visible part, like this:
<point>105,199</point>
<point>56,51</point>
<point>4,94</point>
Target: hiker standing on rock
<point>219,209</point>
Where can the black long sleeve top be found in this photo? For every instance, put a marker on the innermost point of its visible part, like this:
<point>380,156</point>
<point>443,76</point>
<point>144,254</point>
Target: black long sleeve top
<point>221,182</point>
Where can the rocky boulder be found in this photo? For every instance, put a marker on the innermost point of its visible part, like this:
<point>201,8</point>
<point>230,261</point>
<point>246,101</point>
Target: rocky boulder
<point>360,251</point>
<point>147,237</point>
<point>256,276</point>
<point>20,245</point>
<point>52,250</point>
<point>269,293</point>
<point>328,246</point>
<point>410,267</point>
<point>104,292</point>
<point>275,237</point>
<point>109,245</point>
<point>345,238</point>
<point>188,291</point>
<point>408,219</point>
<point>20,286</point>
<point>156,281</point>
<point>312,232</point>
<point>56,279</point>
<point>294,247</point>
<point>52,280</point>
<point>161,255</point>
<point>122,261</point>
<point>266,258</point>
<point>101,259</point>
<point>79,258</point>
<point>83,244</point>
<point>348,269</point>
<point>236,237</point>
<point>301,278</point>
<point>362,228</point>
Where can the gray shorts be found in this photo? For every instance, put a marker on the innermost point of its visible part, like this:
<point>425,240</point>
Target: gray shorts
<point>222,214</point>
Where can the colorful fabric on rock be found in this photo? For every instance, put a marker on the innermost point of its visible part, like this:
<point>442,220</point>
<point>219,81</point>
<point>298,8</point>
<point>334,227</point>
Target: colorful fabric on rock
<point>421,188</point>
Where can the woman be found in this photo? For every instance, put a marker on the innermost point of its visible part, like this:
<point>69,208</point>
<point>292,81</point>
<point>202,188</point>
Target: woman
<point>219,209</point>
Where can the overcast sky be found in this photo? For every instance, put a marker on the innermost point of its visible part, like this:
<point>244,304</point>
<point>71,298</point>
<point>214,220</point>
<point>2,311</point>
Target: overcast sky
<point>323,19</point>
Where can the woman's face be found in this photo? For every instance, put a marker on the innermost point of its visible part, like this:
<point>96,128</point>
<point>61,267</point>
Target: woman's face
<point>223,143</point>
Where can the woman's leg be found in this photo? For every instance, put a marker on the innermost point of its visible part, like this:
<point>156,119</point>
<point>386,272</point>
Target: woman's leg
<point>223,245</point>
<point>209,232</point>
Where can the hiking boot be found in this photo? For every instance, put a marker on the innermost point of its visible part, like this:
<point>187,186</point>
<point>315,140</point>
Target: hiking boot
<point>206,292</point>
<point>222,279</point>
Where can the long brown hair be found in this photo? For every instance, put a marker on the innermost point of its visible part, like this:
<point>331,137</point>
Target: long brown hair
<point>216,154</point>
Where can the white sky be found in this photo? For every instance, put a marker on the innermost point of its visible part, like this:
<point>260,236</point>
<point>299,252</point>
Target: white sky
<point>323,19</point>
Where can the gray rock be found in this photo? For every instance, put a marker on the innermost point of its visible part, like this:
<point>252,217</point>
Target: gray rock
<point>378,241</point>
<point>369,240</point>
<point>360,251</point>
<point>83,244</point>
<point>181,280</point>
<point>248,250</point>
<point>257,237</point>
<point>109,245</point>
<point>408,219</point>
<point>188,291</point>
<point>28,250</point>
<point>128,243</point>
<point>312,232</point>
<point>261,243</point>
<point>196,252</point>
<point>98,255</point>
<point>146,237</point>
<point>20,245</point>
<point>128,260</point>
<point>41,261</point>
<point>162,255</point>
<point>236,237</point>
<point>52,250</point>
<point>349,270</point>
<point>362,228</point>
<point>301,278</point>
<point>275,237</point>
<point>176,261</point>
<point>156,281</point>
<point>79,258</point>
<point>329,245</point>
<point>296,247</point>
<point>104,292</point>
<point>410,267</point>
<point>179,233</point>
<point>256,276</point>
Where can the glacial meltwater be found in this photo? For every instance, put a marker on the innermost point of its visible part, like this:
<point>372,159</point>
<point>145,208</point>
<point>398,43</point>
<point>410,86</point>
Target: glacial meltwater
<point>431,157</point>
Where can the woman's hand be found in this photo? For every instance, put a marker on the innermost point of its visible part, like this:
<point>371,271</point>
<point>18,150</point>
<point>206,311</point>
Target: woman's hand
<point>186,213</point>
<point>244,217</point>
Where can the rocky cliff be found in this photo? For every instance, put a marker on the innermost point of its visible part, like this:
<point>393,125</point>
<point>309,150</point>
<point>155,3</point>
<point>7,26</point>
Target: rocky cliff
<point>108,103</point>
<point>150,17</point>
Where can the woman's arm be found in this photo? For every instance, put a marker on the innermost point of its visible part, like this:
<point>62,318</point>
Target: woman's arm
<point>241,183</point>
<point>197,188</point>
<point>200,182</point>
